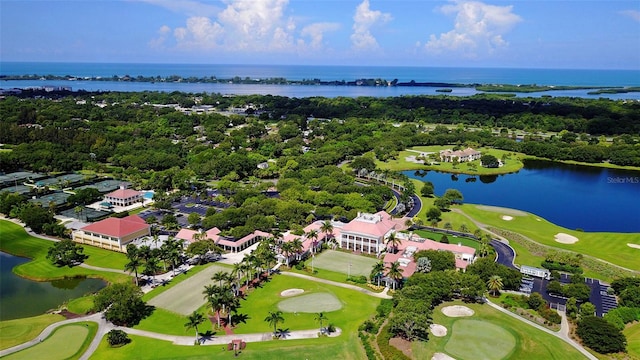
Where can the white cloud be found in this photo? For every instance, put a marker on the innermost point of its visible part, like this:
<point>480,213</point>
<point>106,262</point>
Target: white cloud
<point>315,33</point>
<point>633,14</point>
<point>162,37</point>
<point>363,20</point>
<point>478,28</point>
<point>199,32</point>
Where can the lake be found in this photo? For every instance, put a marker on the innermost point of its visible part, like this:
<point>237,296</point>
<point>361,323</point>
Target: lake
<point>572,196</point>
<point>20,297</point>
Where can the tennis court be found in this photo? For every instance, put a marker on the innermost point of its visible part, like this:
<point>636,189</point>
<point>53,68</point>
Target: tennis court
<point>57,198</point>
<point>345,263</point>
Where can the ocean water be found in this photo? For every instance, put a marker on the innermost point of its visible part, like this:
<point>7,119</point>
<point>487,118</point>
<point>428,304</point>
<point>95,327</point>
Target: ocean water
<point>568,77</point>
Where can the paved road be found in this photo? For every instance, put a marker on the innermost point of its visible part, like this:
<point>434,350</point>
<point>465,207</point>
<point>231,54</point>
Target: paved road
<point>505,254</point>
<point>382,295</point>
<point>563,334</point>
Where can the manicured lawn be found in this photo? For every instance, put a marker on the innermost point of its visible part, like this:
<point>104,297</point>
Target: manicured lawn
<point>343,262</point>
<point>311,349</point>
<point>490,334</point>
<point>18,331</point>
<point>611,247</point>
<point>356,307</point>
<point>452,239</point>
<point>186,296</point>
<point>167,322</point>
<point>81,305</point>
<point>633,339</point>
<point>511,165</point>
<point>66,342</point>
<point>17,242</point>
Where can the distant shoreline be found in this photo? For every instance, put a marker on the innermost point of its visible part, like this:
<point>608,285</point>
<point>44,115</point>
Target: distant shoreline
<point>443,87</point>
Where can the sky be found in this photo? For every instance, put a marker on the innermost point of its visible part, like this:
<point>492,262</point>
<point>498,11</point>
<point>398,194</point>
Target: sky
<point>456,33</point>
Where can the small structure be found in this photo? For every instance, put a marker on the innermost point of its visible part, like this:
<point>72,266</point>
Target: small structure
<point>465,155</point>
<point>113,233</point>
<point>534,271</point>
<point>123,197</point>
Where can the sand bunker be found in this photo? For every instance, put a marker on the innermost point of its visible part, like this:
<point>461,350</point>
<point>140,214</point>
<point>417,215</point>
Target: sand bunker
<point>441,356</point>
<point>457,311</point>
<point>635,246</point>
<point>507,217</point>
<point>291,292</point>
<point>438,330</point>
<point>563,238</point>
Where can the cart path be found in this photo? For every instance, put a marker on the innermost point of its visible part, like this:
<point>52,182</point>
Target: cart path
<point>381,295</point>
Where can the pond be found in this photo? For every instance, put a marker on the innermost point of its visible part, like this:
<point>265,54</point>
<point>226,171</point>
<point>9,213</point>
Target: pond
<point>572,196</point>
<point>20,297</point>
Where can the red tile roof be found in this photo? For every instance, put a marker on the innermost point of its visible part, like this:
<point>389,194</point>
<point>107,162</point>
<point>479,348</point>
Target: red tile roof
<point>117,227</point>
<point>123,194</point>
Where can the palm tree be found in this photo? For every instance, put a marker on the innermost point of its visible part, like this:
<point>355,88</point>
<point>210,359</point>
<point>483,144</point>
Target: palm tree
<point>287,249</point>
<point>376,271</point>
<point>394,241</point>
<point>495,284</point>
<point>151,268</point>
<point>134,260</point>
<point>273,319</point>
<point>320,317</point>
<point>220,276</point>
<point>394,273</point>
<point>313,235</point>
<point>296,245</point>
<point>195,319</point>
<point>327,229</point>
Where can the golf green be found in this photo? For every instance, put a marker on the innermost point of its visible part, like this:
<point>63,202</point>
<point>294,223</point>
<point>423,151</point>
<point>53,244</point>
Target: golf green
<point>489,341</point>
<point>311,303</point>
<point>64,343</point>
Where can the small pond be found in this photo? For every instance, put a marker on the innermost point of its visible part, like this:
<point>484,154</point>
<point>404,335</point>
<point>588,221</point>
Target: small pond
<point>20,297</point>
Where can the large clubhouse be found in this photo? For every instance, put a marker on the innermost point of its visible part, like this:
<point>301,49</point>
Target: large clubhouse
<point>366,234</point>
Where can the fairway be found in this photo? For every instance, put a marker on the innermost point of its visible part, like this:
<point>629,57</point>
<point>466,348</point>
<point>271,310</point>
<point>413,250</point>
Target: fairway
<point>15,332</point>
<point>341,262</point>
<point>489,341</point>
<point>65,342</point>
<point>187,297</point>
<point>491,334</point>
<point>311,303</point>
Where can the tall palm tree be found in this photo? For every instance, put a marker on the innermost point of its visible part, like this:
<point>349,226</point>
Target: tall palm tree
<point>220,276</point>
<point>320,317</point>
<point>394,273</point>
<point>296,246</point>
<point>313,235</point>
<point>327,229</point>
<point>495,284</point>
<point>195,319</point>
<point>273,319</point>
<point>376,271</point>
<point>287,249</point>
<point>151,267</point>
<point>393,241</point>
<point>134,261</point>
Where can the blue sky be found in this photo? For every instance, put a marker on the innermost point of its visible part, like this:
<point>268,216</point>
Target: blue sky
<point>517,33</point>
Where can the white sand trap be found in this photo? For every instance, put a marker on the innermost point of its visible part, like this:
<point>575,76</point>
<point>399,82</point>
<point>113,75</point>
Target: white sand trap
<point>438,330</point>
<point>635,246</point>
<point>507,217</point>
<point>291,292</point>
<point>441,356</point>
<point>537,219</point>
<point>457,311</point>
<point>563,238</point>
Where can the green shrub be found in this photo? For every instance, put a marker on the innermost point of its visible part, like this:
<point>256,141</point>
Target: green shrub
<point>384,309</point>
<point>117,338</point>
<point>364,338</point>
<point>600,335</point>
